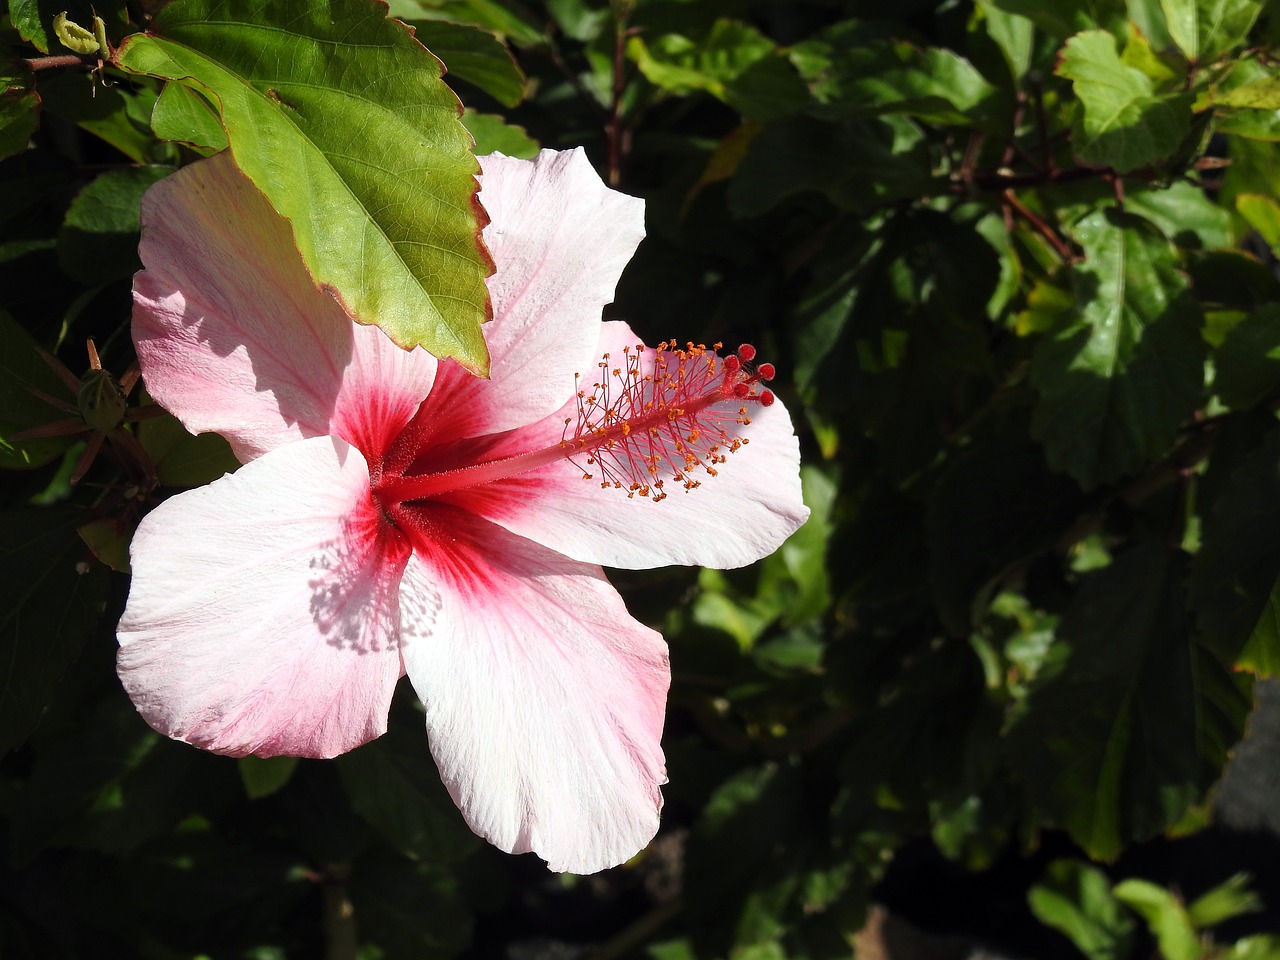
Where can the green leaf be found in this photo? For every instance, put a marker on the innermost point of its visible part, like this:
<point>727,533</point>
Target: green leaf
<point>1165,915</point>
<point>476,56</point>
<point>1062,18</point>
<point>394,785</point>
<point>1124,125</point>
<point>995,504</point>
<point>492,134</point>
<point>23,370</point>
<point>1206,29</point>
<point>263,776</point>
<point>1120,376</point>
<point>680,65</point>
<point>1184,213</point>
<point>1263,214</point>
<point>99,237</point>
<point>19,108</point>
<point>488,15</point>
<point>183,460</point>
<point>1235,578</point>
<point>1226,901</point>
<point>53,599</point>
<point>879,77</point>
<point>857,165</point>
<point>1247,364</point>
<point>1076,900</point>
<point>340,117</point>
<point>1131,722</point>
<point>1260,94</point>
<point>113,114</point>
<point>183,115</point>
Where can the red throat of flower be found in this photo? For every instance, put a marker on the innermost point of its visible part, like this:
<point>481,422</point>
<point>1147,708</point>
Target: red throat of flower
<point>642,424</point>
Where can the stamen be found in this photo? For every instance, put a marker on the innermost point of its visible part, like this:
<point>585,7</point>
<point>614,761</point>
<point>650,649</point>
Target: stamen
<point>647,420</point>
<point>638,431</point>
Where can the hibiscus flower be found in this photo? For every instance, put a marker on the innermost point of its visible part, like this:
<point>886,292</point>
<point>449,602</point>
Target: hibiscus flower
<point>395,515</point>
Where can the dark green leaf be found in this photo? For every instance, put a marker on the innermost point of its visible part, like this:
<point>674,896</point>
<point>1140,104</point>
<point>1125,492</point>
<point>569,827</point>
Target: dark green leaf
<point>394,785</point>
<point>301,89</point>
<point>1124,124</point>
<point>996,504</point>
<point>1120,739</point>
<point>1063,18</point>
<point>409,909</point>
<point>1075,899</point>
<point>1235,578</point>
<point>116,115</point>
<point>490,15</point>
<point>23,372</point>
<point>99,238</point>
<point>263,776</point>
<point>183,460</point>
<point>857,165</point>
<point>1206,29</point>
<point>54,595</point>
<point>1120,376</point>
<point>880,77</point>
<point>1247,365</point>
<point>476,56</point>
<point>19,109</point>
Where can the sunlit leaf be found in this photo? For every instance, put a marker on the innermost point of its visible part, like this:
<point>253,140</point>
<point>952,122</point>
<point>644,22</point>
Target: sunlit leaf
<point>1125,124</point>
<point>1076,900</point>
<point>1205,29</point>
<point>303,89</point>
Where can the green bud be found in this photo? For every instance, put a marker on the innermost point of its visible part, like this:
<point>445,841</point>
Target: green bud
<point>73,36</point>
<point>101,403</point>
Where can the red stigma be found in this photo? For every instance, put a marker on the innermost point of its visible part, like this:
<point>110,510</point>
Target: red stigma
<point>765,371</point>
<point>746,353</point>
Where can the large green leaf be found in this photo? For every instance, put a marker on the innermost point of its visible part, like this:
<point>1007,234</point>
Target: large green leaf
<point>1126,369</point>
<point>1062,18</point>
<point>340,117</point>
<point>1125,125</point>
<point>1235,578</point>
<point>99,237</point>
<point>53,599</point>
<point>1206,29</point>
<point>1135,721</point>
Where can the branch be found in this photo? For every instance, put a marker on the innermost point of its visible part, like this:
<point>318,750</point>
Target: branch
<point>62,61</point>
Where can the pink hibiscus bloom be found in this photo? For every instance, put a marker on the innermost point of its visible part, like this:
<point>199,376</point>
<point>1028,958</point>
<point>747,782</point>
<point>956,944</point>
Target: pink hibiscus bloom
<point>395,515</point>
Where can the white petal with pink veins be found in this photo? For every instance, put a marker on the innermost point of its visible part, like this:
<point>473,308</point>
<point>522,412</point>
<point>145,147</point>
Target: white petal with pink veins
<point>544,697</point>
<point>560,240</point>
<point>234,336</point>
<point>263,613</point>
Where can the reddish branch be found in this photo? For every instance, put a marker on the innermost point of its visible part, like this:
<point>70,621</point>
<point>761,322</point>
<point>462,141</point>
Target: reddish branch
<point>62,61</point>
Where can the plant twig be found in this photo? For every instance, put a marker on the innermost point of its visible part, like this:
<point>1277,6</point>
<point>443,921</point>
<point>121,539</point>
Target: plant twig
<point>61,61</point>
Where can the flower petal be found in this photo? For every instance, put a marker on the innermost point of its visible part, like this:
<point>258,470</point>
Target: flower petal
<point>560,239</point>
<point>544,698</point>
<point>234,336</point>
<point>732,519</point>
<point>264,621</point>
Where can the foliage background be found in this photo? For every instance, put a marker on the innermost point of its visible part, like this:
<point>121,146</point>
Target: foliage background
<point>1015,263</point>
